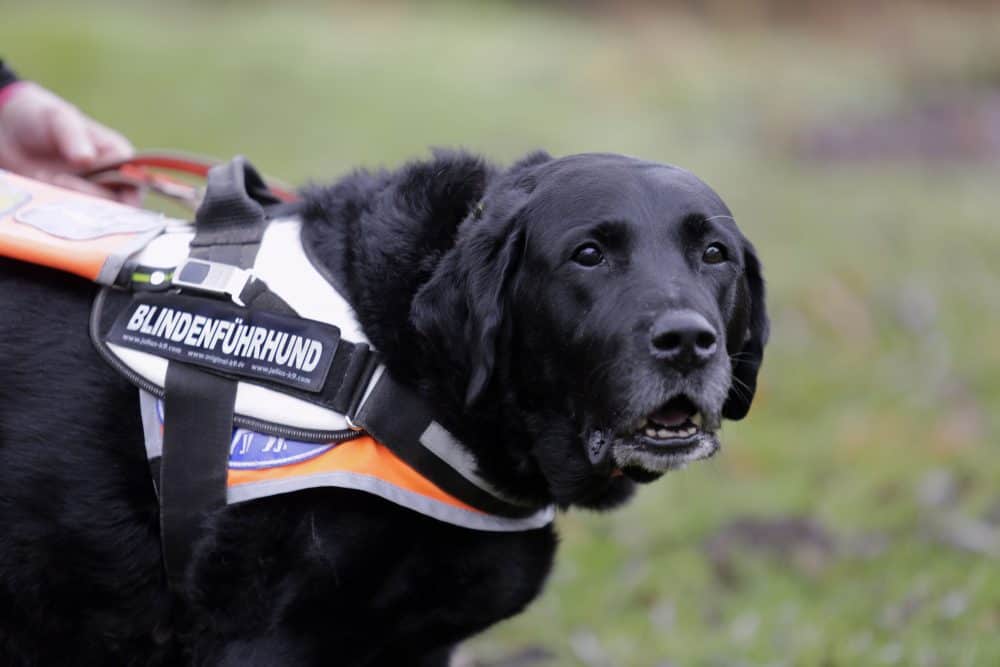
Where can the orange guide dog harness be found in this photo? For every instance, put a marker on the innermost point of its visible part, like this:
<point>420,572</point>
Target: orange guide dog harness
<point>228,327</point>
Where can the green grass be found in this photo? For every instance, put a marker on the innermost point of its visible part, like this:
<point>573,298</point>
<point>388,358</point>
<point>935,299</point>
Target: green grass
<point>884,282</point>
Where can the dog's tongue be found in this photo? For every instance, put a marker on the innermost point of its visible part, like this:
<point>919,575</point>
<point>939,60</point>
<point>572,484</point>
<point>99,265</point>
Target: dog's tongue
<point>670,416</point>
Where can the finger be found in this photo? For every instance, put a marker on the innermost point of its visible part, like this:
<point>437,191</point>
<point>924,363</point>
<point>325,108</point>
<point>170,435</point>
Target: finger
<point>110,145</point>
<point>70,135</point>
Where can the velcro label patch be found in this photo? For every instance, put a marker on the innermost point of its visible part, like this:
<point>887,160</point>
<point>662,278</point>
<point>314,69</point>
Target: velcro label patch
<point>80,219</point>
<point>224,337</point>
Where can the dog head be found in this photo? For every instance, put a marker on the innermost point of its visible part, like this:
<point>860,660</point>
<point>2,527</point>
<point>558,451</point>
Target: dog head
<point>613,305</point>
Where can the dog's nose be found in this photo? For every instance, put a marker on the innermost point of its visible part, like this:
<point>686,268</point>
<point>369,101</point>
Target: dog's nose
<point>684,339</point>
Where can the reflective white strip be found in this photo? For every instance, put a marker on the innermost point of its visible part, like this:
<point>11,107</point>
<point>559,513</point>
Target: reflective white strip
<point>413,501</point>
<point>283,264</point>
<point>150,424</point>
<point>376,376</point>
<point>443,444</point>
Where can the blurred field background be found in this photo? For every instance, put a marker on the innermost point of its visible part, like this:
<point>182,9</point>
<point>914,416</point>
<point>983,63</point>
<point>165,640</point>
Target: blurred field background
<point>854,518</point>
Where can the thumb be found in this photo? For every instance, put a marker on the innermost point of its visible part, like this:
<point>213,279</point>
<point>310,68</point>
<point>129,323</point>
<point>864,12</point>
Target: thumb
<point>69,133</point>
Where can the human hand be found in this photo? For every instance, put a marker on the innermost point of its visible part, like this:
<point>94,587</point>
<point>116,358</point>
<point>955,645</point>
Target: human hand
<point>45,137</point>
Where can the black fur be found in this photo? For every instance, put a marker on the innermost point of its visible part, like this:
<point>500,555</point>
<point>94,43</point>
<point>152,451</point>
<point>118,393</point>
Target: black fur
<point>462,276</point>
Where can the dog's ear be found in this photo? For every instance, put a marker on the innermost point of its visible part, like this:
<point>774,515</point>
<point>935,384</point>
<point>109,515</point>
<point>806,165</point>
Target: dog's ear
<point>749,353</point>
<point>493,262</point>
<point>463,306</point>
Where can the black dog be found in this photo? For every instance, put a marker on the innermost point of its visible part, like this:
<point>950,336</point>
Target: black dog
<point>580,323</point>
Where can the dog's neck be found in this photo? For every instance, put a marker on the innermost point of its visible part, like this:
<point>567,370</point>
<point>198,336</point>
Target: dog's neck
<point>380,254</point>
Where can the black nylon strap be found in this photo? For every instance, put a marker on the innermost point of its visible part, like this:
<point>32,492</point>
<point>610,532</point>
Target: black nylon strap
<point>361,365</point>
<point>230,221</point>
<point>198,427</point>
<point>353,363</point>
<point>199,406</point>
<point>258,295</point>
<point>235,192</point>
<point>394,416</point>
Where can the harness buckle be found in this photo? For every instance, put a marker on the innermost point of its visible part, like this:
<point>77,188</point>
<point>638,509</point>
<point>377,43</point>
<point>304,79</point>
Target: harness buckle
<point>213,278</point>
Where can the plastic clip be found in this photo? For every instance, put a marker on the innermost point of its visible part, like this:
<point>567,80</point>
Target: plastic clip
<point>213,278</point>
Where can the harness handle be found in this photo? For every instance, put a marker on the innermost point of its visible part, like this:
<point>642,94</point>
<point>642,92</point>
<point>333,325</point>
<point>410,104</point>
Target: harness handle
<point>155,172</point>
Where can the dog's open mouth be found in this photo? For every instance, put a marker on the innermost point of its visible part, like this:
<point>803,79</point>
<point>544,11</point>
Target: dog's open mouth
<point>675,424</point>
<point>669,437</point>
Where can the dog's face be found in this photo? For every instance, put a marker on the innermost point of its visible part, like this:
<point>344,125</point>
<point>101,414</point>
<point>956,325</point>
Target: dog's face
<point>633,284</point>
<point>625,310</point>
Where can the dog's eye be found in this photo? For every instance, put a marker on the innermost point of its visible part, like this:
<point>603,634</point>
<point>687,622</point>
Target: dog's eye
<point>588,255</point>
<point>715,254</point>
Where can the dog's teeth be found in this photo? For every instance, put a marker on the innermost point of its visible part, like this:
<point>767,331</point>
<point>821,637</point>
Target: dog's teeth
<point>697,419</point>
<point>663,433</point>
<point>689,431</point>
<point>651,432</point>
